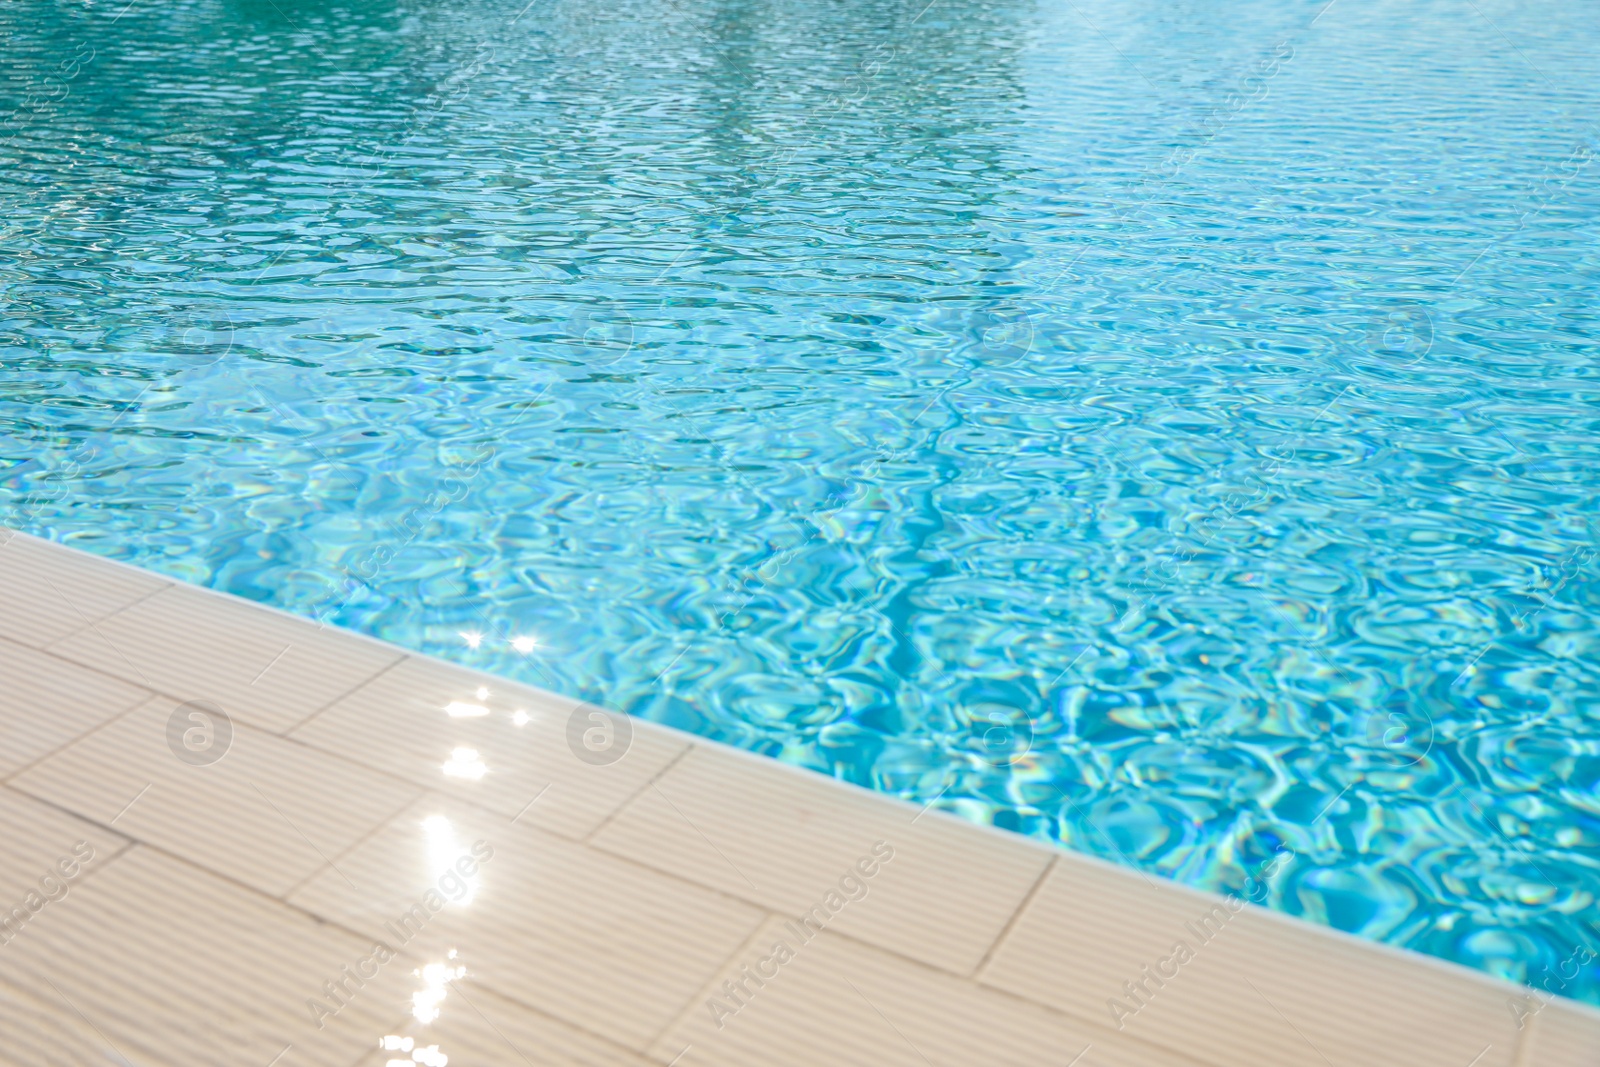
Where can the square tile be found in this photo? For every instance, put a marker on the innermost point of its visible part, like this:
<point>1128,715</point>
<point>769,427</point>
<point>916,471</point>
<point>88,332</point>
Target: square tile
<point>1250,988</point>
<point>268,812</point>
<point>784,838</point>
<point>791,996</point>
<point>477,1027</point>
<point>403,723</point>
<point>597,942</point>
<point>52,591</point>
<point>46,702</point>
<point>154,962</point>
<point>262,667</point>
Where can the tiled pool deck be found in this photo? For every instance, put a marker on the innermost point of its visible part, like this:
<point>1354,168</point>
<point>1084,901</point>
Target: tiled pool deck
<point>165,906</point>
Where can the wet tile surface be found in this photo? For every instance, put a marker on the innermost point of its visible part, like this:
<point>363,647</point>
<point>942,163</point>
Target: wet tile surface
<point>586,900</point>
<point>481,1027</point>
<point>495,744</point>
<point>583,936</point>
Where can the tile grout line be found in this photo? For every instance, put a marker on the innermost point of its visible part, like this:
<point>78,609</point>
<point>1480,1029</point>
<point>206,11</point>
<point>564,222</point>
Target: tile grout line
<point>589,842</point>
<point>254,891</point>
<point>348,693</point>
<point>127,843</point>
<point>234,602</point>
<point>544,1014</point>
<point>607,854</point>
<point>1094,1026</point>
<point>631,861</point>
<point>116,717</point>
<point>382,824</point>
<point>94,625</point>
<point>419,792</point>
<point>634,861</point>
<point>1524,1042</point>
<point>239,724</point>
<point>1527,1047</point>
<point>976,975</point>
<point>329,753</point>
<point>107,617</point>
<point>402,951</point>
<point>50,653</point>
<point>87,562</point>
<point>628,801</point>
<point>811,777</point>
<point>701,991</point>
<point>823,876</point>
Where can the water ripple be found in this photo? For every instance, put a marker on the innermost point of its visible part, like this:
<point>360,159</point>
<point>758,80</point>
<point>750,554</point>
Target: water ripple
<point>1176,440</point>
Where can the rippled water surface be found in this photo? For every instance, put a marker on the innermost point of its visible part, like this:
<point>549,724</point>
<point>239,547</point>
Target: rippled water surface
<point>1169,429</point>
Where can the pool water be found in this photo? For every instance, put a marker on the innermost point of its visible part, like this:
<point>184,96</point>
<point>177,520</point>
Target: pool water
<point>1168,429</point>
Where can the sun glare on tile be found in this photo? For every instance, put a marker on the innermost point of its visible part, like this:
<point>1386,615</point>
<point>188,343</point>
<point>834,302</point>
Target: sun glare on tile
<point>425,1001</point>
<point>465,763</point>
<point>457,709</point>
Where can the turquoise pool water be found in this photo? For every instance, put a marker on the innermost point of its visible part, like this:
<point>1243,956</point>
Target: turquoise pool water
<point>1169,429</point>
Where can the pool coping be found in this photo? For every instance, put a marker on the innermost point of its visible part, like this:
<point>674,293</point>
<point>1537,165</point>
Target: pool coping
<point>980,923</point>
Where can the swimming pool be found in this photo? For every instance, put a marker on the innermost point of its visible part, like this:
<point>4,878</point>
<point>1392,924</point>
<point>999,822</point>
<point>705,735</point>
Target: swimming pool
<point>1167,429</point>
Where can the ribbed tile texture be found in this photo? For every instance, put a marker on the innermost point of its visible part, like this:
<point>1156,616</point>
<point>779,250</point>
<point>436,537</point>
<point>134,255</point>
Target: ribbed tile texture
<point>814,998</point>
<point>793,841</point>
<point>49,592</point>
<point>47,857</point>
<point>597,942</point>
<point>153,962</point>
<point>618,899</point>
<point>261,667</point>
<point>400,722</point>
<point>1258,989</point>
<point>47,852</point>
<point>478,1027</point>
<point>46,702</point>
<point>1561,1035</point>
<point>269,812</point>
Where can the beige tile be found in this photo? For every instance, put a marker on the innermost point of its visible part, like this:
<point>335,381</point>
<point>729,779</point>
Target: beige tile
<point>45,855</point>
<point>784,838</point>
<point>1563,1034</point>
<point>477,1027</point>
<point>828,1000</point>
<point>51,591</point>
<point>269,812</point>
<point>599,943</point>
<point>1265,991</point>
<point>399,722</point>
<point>153,962</point>
<point>581,954</point>
<point>44,1032</point>
<point>262,667</point>
<point>46,702</point>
